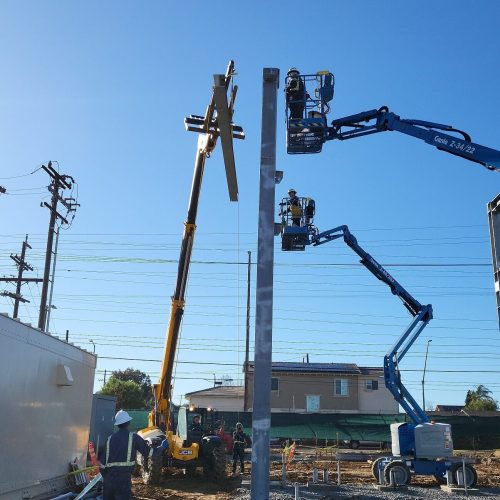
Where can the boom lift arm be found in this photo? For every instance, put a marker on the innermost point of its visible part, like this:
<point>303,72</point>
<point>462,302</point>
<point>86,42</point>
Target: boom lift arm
<point>307,128</point>
<point>422,314</point>
<point>380,120</point>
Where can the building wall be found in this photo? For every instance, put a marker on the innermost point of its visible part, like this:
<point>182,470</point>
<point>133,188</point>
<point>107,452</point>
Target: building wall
<point>44,425</point>
<point>217,403</point>
<point>376,401</point>
<point>294,389</point>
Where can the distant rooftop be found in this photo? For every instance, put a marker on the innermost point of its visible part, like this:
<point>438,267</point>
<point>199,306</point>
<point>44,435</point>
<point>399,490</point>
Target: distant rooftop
<point>229,391</point>
<point>350,368</point>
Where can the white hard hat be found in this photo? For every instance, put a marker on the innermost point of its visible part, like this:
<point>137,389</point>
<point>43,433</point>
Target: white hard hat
<point>291,190</point>
<point>122,417</point>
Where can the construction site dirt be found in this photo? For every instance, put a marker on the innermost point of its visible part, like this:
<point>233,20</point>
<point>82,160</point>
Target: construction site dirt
<point>176,485</point>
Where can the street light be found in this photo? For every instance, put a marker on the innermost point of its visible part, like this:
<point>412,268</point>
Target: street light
<point>423,375</point>
<point>93,344</point>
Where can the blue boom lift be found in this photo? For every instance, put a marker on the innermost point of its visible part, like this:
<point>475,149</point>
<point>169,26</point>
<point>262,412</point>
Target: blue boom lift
<point>308,130</point>
<point>420,447</point>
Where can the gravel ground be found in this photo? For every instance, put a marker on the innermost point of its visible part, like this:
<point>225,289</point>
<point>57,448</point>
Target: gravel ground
<point>365,492</point>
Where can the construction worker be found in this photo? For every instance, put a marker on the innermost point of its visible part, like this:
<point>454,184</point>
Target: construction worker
<point>196,430</point>
<point>240,440</point>
<point>294,207</point>
<point>119,457</point>
<point>295,94</point>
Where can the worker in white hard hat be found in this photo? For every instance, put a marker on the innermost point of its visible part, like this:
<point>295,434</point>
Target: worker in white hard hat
<point>295,93</point>
<point>118,459</point>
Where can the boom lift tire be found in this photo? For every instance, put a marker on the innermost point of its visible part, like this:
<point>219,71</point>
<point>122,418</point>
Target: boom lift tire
<point>375,470</point>
<point>400,472</point>
<point>470,474</point>
<point>152,474</point>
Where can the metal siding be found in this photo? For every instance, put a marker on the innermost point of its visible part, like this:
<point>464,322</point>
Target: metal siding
<point>43,426</point>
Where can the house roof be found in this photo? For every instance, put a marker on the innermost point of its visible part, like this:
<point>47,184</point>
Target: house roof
<point>229,391</point>
<point>371,370</point>
<point>449,407</point>
<point>314,367</point>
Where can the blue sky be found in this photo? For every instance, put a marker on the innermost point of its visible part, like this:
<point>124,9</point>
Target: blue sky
<point>103,88</point>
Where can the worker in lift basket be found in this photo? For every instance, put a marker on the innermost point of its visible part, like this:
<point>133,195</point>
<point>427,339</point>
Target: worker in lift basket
<point>295,94</point>
<point>294,207</point>
<point>240,440</point>
<point>118,458</point>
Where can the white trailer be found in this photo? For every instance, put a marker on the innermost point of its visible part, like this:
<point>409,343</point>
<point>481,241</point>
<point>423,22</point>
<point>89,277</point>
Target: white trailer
<point>45,408</point>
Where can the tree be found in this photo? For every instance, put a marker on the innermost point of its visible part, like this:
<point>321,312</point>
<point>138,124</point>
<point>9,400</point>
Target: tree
<point>479,399</point>
<point>127,392</point>
<point>139,378</point>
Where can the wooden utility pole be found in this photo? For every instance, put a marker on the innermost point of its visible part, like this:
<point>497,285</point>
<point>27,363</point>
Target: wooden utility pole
<point>59,183</point>
<point>22,266</point>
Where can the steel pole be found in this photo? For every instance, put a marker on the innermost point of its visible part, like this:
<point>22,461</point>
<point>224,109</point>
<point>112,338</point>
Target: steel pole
<point>247,334</point>
<point>261,416</point>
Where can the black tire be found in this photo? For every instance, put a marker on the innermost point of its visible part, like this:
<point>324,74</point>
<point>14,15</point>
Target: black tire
<point>399,471</point>
<point>190,471</point>
<point>152,473</point>
<point>440,479</point>
<point>217,471</point>
<point>354,445</point>
<point>470,474</point>
<point>375,470</point>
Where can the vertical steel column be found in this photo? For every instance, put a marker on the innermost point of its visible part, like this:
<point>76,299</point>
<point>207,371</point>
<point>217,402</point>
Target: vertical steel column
<point>261,418</point>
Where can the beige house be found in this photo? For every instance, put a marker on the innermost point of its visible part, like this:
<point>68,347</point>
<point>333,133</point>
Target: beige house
<point>221,398</point>
<point>326,388</point>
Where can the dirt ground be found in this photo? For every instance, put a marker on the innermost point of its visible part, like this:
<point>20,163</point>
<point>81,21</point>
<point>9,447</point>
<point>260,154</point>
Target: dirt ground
<point>176,485</point>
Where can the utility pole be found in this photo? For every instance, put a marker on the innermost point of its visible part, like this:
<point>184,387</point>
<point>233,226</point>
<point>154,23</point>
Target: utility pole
<point>59,183</point>
<point>423,375</point>
<point>49,306</point>
<point>247,339</point>
<point>22,266</point>
<point>261,415</point>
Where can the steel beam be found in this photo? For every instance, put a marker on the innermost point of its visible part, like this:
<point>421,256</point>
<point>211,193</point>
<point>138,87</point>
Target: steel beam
<point>261,416</point>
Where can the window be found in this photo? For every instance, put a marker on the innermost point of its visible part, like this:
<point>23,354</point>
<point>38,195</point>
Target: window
<point>341,387</point>
<point>312,403</point>
<point>275,384</point>
<point>371,385</point>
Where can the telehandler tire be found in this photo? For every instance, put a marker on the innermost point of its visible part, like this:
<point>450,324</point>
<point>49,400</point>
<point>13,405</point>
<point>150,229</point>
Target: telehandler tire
<point>152,473</point>
<point>215,468</point>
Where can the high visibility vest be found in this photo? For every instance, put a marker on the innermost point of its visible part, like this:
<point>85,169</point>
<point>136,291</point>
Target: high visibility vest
<point>129,462</point>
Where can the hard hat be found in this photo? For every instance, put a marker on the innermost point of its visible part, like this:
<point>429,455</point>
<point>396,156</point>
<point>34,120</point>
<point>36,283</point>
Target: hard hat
<point>291,190</point>
<point>239,425</point>
<point>293,70</point>
<point>122,417</point>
